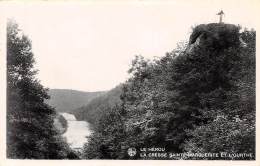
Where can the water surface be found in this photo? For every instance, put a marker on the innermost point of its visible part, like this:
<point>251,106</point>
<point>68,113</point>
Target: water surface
<point>77,131</point>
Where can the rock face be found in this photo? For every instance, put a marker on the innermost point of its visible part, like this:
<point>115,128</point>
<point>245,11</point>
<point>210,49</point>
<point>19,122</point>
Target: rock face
<point>214,36</point>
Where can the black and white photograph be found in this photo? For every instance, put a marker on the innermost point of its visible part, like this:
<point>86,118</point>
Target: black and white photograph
<point>129,80</point>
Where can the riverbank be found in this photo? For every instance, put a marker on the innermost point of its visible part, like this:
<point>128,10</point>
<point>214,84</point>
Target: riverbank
<point>60,124</point>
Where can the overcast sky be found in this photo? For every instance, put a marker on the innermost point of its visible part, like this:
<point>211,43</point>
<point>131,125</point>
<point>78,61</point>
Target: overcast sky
<point>90,46</point>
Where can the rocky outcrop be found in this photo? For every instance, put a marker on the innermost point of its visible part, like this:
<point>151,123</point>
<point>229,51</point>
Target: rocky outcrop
<point>215,36</point>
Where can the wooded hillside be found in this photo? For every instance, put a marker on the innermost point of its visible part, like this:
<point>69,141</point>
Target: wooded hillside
<point>198,98</point>
<point>96,107</point>
<point>65,100</point>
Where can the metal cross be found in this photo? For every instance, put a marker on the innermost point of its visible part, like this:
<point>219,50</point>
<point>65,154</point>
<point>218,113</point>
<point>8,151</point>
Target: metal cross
<point>221,13</point>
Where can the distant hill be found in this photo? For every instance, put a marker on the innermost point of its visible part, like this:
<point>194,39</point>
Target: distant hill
<point>96,107</point>
<point>65,100</point>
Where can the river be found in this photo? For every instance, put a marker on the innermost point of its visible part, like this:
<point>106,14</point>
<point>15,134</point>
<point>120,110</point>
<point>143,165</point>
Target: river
<point>77,131</point>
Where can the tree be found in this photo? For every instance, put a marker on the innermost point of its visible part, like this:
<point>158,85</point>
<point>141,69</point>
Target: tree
<point>198,98</point>
<point>30,130</point>
<point>231,127</point>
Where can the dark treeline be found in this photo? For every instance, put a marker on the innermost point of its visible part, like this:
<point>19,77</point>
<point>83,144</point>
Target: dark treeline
<point>198,98</point>
<point>61,124</point>
<point>30,130</point>
<point>97,106</point>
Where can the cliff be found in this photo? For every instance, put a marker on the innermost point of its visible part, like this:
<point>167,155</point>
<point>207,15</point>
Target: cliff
<point>214,36</point>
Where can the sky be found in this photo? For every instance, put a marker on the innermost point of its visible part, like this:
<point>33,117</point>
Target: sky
<point>89,46</point>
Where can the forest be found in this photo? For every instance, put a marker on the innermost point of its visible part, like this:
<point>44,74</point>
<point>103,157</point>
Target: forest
<point>30,121</point>
<point>200,97</point>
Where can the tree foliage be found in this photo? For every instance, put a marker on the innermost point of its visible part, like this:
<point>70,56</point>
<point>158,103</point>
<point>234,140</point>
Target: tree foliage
<point>198,98</point>
<point>92,111</point>
<point>30,130</point>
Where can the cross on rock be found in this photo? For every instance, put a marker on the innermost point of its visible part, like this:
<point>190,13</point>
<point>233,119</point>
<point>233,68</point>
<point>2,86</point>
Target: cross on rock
<point>221,13</point>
